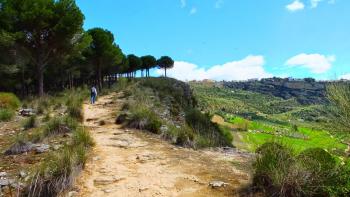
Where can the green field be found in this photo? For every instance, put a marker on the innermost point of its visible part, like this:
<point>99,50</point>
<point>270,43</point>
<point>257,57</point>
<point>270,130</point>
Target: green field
<point>256,118</point>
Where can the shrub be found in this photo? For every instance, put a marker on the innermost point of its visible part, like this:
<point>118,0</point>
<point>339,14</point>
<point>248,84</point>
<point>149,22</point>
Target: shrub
<point>203,126</point>
<point>6,114</point>
<point>75,110</point>
<point>143,118</point>
<point>9,101</point>
<point>341,187</point>
<point>82,137</point>
<point>30,123</point>
<point>278,172</point>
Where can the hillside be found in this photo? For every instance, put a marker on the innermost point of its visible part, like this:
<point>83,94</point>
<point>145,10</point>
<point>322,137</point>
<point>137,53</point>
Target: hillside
<point>305,91</point>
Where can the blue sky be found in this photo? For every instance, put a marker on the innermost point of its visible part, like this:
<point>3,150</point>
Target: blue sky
<point>232,39</point>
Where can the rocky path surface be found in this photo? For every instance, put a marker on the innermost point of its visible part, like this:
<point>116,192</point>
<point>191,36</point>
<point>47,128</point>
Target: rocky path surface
<point>133,163</point>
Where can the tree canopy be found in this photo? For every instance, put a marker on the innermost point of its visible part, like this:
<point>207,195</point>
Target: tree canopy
<point>165,62</point>
<point>46,29</point>
<point>42,42</point>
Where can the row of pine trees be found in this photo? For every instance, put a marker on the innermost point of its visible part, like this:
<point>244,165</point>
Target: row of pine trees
<point>43,47</point>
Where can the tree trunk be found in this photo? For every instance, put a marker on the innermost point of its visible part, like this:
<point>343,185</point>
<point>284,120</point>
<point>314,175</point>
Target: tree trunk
<point>99,80</point>
<point>40,70</point>
<point>165,71</point>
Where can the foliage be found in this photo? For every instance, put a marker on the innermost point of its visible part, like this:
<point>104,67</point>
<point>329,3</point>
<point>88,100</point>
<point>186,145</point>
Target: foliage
<point>46,30</point>
<point>6,114</point>
<point>279,172</point>
<point>165,62</point>
<point>339,96</point>
<point>141,117</point>
<point>30,123</point>
<point>204,127</point>
<point>9,101</point>
<point>103,53</point>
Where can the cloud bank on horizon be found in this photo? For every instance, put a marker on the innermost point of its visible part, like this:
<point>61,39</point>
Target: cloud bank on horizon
<point>247,68</point>
<point>250,67</point>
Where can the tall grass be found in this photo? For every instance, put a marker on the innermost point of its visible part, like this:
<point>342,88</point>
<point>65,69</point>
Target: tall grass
<point>211,134</point>
<point>313,172</point>
<point>56,174</point>
<point>6,114</point>
<point>141,117</point>
<point>339,95</point>
<point>8,104</point>
<point>30,123</point>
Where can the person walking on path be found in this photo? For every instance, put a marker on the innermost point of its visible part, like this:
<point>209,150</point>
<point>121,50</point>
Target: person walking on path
<point>93,94</point>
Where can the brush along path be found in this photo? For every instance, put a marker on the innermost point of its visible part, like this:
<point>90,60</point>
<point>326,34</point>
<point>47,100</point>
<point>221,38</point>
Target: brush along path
<point>133,163</point>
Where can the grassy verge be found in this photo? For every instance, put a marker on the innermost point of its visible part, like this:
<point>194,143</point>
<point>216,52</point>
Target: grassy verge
<point>279,171</point>
<point>57,121</point>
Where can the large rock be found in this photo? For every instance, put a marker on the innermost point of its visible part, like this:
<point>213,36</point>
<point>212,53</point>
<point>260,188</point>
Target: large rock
<point>6,182</point>
<point>26,112</point>
<point>19,148</point>
<point>42,148</point>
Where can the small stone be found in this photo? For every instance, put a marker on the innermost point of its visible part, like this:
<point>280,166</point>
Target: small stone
<point>42,148</point>
<point>72,193</point>
<point>96,158</point>
<point>6,182</point>
<point>22,174</point>
<point>217,184</point>
<point>143,189</point>
<point>106,181</point>
<point>107,191</point>
<point>3,174</point>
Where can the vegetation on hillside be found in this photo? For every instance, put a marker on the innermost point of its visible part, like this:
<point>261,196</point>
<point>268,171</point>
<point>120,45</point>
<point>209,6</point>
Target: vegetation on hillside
<point>167,107</point>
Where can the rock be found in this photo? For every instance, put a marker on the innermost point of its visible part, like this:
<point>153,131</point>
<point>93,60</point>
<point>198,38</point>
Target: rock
<point>3,174</point>
<point>26,112</point>
<point>57,146</point>
<point>20,147</point>
<point>6,182</point>
<point>143,189</point>
<point>42,148</point>
<point>72,193</point>
<point>107,191</point>
<point>106,181</point>
<point>96,158</point>
<point>22,174</point>
<point>121,144</point>
<point>217,184</point>
<point>164,128</point>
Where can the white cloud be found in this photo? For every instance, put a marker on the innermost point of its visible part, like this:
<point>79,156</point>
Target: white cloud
<point>317,63</point>
<point>218,4</point>
<point>295,6</point>
<point>247,68</point>
<point>314,3</point>
<point>346,76</point>
<point>193,11</point>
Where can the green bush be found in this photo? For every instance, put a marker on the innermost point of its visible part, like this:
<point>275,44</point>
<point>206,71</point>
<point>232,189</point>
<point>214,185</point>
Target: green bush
<point>143,118</point>
<point>314,172</point>
<point>30,123</point>
<point>341,187</point>
<point>82,137</point>
<point>204,127</point>
<point>9,101</point>
<point>75,110</point>
<point>6,114</point>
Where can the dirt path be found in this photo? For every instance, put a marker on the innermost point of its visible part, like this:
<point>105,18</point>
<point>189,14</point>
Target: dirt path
<point>134,163</point>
